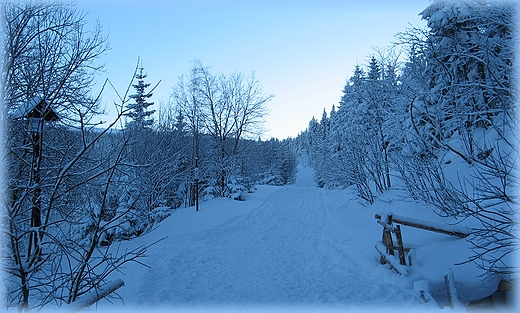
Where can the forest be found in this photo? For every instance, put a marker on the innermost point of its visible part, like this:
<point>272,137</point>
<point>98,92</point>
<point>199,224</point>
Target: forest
<point>452,100</point>
<point>73,187</point>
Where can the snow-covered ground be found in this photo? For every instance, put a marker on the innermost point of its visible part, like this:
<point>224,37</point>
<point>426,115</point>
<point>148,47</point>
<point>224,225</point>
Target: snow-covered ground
<point>296,248</point>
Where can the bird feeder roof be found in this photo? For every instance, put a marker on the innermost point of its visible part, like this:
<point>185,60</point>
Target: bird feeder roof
<point>36,107</point>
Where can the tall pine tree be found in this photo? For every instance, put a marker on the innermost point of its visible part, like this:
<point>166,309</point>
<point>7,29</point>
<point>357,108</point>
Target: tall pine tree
<point>140,113</point>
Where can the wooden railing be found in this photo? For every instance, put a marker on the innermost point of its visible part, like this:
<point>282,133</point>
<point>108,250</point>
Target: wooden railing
<point>392,229</point>
<point>392,242</point>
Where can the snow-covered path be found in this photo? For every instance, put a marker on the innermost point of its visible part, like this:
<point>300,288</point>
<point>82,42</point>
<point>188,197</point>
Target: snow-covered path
<point>280,253</point>
<point>267,256</point>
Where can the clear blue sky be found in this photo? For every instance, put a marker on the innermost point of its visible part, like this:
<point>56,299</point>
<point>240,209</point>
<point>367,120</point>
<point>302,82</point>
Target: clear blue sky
<point>301,51</point>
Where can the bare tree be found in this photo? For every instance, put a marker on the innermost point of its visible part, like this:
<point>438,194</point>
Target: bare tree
<point>48,53</point>
<point>227,108</point>
<point>249,107</point>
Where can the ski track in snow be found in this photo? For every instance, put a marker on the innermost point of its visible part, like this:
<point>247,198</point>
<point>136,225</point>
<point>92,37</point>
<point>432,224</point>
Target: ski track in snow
<point>278,254</point>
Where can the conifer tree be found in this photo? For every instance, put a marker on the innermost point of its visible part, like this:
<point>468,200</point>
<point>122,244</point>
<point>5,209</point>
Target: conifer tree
<point>374,71</point>
<point>139,110</point>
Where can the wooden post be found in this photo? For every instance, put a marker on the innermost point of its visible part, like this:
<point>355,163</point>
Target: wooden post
<point>388,234</point>
<point>33,252</point>
<point>196,184</point>
<point>453,301</point>
<point>400,247</point>
<point>388,242</point>
<point>448,290</point>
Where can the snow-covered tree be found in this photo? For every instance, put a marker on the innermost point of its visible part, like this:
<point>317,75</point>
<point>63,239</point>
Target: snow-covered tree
<point>358,138</point>
<point>377,94</point>
<point>49,255</point>
<point>445,121</point>
<point>227,108</point>
<point>464,122</point>
<point>139,110</point>
<point>269,162</point>
<point>351,134</point>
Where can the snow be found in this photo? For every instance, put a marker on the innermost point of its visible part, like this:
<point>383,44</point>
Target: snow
<point>293,248</point>
<point>449,279</point>
<point>90,298</point>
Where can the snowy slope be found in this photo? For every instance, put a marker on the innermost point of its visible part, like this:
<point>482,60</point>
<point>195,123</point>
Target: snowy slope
<point>294,247</point>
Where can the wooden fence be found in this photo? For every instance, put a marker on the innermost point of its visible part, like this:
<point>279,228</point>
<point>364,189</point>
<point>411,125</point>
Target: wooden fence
<point>392,240</point>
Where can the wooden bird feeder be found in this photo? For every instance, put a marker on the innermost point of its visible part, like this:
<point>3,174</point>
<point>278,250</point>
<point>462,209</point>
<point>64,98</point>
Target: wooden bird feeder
<point>36,111</point>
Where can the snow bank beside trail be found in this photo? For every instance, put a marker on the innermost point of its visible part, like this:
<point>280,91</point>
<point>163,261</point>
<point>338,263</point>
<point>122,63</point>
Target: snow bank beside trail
<point>353,226</point>
<point>436,254</point>
<point>211,213</point>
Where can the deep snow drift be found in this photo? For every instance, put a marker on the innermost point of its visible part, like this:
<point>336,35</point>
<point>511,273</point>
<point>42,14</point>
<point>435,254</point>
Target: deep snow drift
<point>293,248</point>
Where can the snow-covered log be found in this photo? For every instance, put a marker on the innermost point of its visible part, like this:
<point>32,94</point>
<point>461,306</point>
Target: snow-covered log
<point>423,288</point>
<point>94,296</point>
<point>427,225</point>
